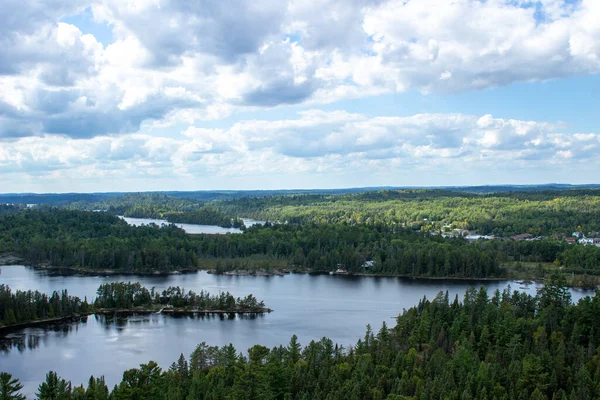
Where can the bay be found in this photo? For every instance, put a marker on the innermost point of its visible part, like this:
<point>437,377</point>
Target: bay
<point>192,229</point>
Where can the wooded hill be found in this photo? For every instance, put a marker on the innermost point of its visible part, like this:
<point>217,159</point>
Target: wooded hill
<point>504,214</point>
<point>100,241</point>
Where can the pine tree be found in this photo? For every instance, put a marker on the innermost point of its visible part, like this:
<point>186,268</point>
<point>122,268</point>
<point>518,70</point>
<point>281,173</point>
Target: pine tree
<point>10,387</point>
<point>54,388</point>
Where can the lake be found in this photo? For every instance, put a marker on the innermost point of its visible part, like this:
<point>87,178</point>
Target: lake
<point>192,228</point>
<point>310,306</point>
<point>188,228</point>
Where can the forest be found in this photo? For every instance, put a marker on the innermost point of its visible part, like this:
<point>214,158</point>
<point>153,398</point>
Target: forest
<point>100,241</point>
<point>27,305</point>
<point>160,206</point>
<point>503,345</point>
<point>122,295</point>
<point>504,214</point>
<point>30,306</point>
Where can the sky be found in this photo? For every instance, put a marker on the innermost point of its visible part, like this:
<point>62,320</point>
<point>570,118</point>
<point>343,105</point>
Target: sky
<point>145,95</point>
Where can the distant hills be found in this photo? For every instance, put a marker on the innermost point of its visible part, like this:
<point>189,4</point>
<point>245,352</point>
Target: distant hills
<point>210,195</point>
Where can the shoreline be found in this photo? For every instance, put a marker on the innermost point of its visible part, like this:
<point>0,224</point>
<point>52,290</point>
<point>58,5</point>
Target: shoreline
<point>110,272</point>
<point>11,259</point>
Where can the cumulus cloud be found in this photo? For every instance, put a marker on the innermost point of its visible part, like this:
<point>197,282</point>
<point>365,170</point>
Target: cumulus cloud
<point>468,44</point>
<point>330,144</point>
<point>175,61</point>
<point>170,29</point>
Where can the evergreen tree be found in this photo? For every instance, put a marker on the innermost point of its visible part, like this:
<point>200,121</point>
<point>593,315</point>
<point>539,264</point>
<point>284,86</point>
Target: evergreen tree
<point>10,387</point>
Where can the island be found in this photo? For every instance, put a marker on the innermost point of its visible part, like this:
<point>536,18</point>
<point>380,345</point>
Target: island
<point>504,345</point>
<point>21,309</point>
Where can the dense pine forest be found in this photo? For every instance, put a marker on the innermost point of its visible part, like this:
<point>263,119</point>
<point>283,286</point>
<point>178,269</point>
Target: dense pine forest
<point>102,241</point>
<point>160,206</point>
<point>26,306</point>
<point>122,295</point>
<point>29,306</point>
<point>503,345</point>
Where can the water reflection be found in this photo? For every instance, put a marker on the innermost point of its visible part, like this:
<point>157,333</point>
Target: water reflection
<point>34,337</point>
<point>310,307</point>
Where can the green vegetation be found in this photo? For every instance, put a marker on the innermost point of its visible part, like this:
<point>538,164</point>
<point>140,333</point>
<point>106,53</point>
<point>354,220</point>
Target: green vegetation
<point>27,306</point>
<point>121,295</point>
<point>507,346</point>
<point>100,241</point>
<point>31,306</point>
<point>160,206</point>
<point>10,387</point>
<point>503,214</point>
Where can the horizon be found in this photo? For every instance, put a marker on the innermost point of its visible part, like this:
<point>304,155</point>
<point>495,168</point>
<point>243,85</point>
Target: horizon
<point>353,188</point>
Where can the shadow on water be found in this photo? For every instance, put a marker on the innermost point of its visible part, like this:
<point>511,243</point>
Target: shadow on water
<point>31,338</point>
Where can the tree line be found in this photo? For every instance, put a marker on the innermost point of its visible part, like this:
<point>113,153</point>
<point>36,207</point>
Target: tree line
<point>128,295</point>
<point>503,214</point>
<point>161,206</point>
<point>504,345</point>
<point>28,306</point>
<point>99,241</point>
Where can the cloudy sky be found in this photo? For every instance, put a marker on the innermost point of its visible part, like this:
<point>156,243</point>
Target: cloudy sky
<point>135,95</point>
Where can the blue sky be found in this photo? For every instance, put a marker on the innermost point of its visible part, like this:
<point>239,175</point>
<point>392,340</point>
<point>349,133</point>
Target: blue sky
<point>101,95</point>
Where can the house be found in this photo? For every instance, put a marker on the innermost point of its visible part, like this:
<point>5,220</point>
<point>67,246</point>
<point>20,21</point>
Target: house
<point>571,240</point>
<point>577,234</point>
<point>585,241</point>
<point>368,264</point>
<point>523,236</point>
<point>339,271</point>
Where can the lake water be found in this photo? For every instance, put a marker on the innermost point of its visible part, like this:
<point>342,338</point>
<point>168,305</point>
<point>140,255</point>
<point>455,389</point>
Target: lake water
<point>192,228</point>
<point>189,228</point>
<point>310,306</point>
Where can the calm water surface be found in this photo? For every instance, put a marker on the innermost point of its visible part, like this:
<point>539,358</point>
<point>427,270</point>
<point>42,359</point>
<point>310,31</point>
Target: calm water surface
<point>189,228</point>
<point>309,306</point>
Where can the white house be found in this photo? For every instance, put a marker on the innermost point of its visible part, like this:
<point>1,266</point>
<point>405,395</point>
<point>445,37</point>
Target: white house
<point>368,264</point>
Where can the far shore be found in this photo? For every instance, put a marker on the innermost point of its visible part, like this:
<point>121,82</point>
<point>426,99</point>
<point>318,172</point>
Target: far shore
<point>110,272</point>
<point>11,259</point>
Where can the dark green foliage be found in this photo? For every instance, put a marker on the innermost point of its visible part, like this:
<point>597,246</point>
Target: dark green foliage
<point>102,241</point>
<point>173,209</point>
<point>505,346</point>
<point>54,388</point>
<point>10,387</point>
<point>29,306</point>
<point>129,295</point>
<point>25,306</point>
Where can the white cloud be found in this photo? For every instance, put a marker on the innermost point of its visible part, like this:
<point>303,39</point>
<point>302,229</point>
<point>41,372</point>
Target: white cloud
<point>316,142</point>
<point>175,61</point>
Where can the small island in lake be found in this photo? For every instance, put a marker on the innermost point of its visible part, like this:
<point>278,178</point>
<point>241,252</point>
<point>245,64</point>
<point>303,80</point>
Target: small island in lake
<point>26,308</point>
